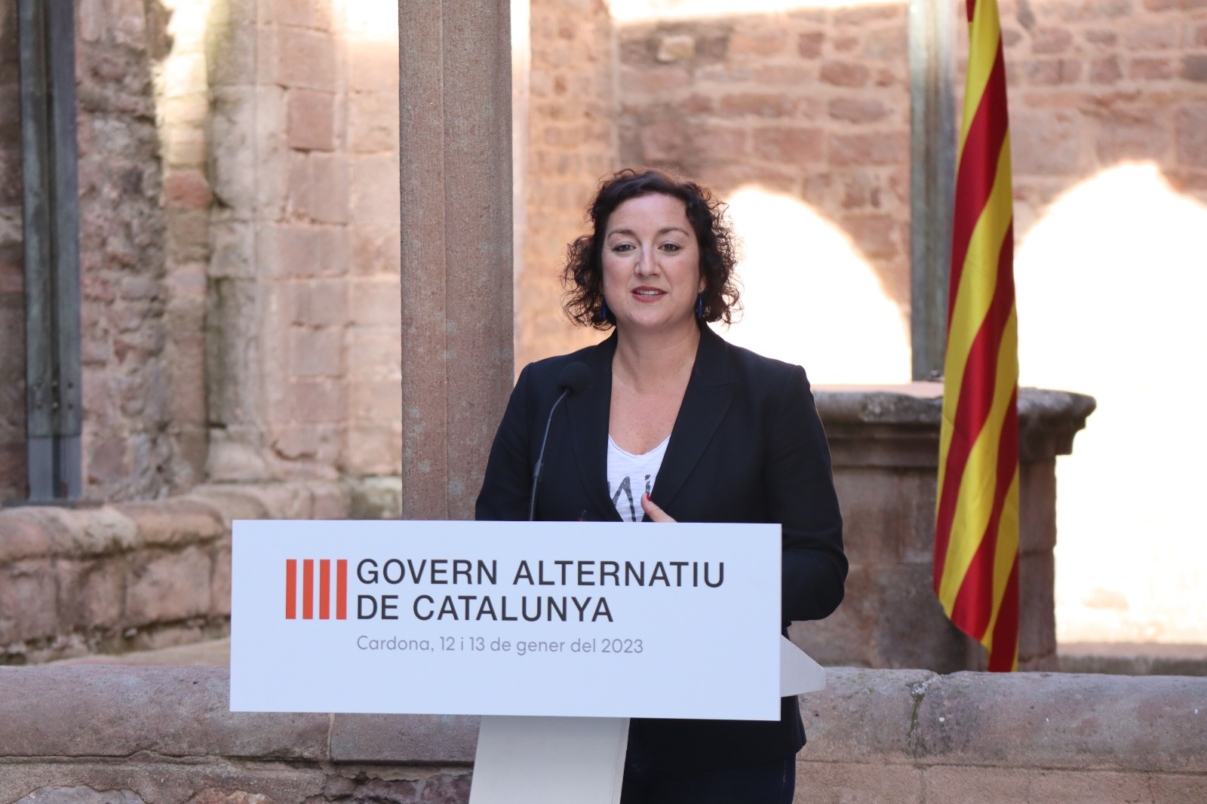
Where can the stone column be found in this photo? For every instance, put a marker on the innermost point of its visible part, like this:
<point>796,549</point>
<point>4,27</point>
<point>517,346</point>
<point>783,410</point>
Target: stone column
<point>885,446</point>
<point>455,140</point>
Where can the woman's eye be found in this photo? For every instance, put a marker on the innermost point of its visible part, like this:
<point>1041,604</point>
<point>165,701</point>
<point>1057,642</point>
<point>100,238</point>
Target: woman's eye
<point>622,247</point>
<point>672,247</point>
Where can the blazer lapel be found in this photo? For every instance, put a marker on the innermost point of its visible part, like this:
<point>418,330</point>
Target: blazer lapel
<point>589,427</point>
<point>709,393</point>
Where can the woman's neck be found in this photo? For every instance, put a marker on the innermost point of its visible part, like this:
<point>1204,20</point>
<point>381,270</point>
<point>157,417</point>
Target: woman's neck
<point>649,362</point>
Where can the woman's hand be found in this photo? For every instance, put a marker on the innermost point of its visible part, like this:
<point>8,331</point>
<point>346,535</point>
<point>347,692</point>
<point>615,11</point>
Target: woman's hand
<point>655,513</point>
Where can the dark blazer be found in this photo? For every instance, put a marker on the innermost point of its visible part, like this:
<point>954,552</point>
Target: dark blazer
<point>747,446</point>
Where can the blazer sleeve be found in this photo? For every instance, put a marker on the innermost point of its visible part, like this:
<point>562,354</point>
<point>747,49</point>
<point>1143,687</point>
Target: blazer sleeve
<point>801,496</point>
<point>507,484</point>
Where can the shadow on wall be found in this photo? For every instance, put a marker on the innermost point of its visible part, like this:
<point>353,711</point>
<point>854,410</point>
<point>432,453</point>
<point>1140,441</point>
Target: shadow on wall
<point>809,298</point>
<point>1111,284</point>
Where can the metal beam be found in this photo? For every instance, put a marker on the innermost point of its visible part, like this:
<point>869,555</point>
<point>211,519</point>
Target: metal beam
<point>932,179</point>
<point>46,30</point>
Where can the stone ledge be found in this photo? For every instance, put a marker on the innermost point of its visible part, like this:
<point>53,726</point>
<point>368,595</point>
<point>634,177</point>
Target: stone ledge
<point>138,575</point>
<point>1047,419</point>
<point>882,717</point>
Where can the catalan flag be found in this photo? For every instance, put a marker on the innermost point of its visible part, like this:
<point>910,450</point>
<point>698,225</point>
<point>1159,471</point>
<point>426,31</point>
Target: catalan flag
<point>976,530</point>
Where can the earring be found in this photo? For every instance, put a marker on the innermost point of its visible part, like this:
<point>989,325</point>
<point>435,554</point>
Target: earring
<point>603,309</point>
<point>700,307</point>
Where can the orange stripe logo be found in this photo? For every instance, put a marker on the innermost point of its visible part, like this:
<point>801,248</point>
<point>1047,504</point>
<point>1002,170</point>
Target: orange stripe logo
<point>320,590</point>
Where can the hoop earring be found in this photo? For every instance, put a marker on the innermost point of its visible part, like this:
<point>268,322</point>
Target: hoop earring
<point>700,307</point>
<point>603,309</point>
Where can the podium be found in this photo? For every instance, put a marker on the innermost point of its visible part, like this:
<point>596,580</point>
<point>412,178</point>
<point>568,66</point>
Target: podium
<point>555,633</point>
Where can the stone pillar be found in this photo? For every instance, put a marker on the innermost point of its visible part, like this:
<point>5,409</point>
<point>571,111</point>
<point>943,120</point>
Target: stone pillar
<point>455,141</point>
<point>885,446</point>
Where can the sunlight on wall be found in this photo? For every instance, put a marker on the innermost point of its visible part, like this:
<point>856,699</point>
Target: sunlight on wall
<point>809,298</point>
<point>372,20</point>
<point>650,10</point>
<point>1110,288</point>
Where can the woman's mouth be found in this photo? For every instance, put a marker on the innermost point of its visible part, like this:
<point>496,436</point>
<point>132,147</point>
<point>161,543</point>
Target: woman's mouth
<point>648,293</point>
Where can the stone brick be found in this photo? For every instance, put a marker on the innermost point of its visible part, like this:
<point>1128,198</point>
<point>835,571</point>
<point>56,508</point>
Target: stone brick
<point>844,73</point>
<point>663,141</point>
<point>294,12</point>
<point>848,782</point>
<point>175,521</point>
<point>718,142</point>
<point>1081,725</point>
<point>1190,134</point>
<point>952,785</point>
<point>374,194</point>
<point>1048,72</point>
<point>305,59</point>
<point>1051,40</point>
<point>654,80</point>
<point>874,235</point>
<point>374,448</point>
<point>793,75</point>
<point>676,47</point>
<point>377,400</point>
<point>857,110</point>
<point>28,600</point>
<point>1152,37</point>
<point>376,250</point>
<point>163,586</point>
<point>380,738</point>
<point>220,583</point>
<point>22,535</point>
<point>188,189</point>
<point>373,122</point>
<point>870,149</point>
<point>808,45</point>
<point>756,105</point>
<point>375,352</point>
<point>757,44</point>
<point>315,401</point>
<point>1146,69</point>
<point>311,123</point>
<point>166,711</point>
<point>1141,137</point>
<point>1102,38</point>
<point>316,352</point>
<point>1105,71</point>
<point>1045,143</point>
<point>320,303</point>
<point>1194,68</point>
<point>91,593</point>
<point>794,146</point>
<point>377,303</point>
<point>1084,10</point>
<point>373,67</point>
<point>319,187</point>
<point>305,250</point>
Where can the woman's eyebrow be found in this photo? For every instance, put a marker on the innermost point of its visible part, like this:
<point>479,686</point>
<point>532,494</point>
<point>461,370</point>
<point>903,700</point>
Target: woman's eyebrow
<point>660,232</point>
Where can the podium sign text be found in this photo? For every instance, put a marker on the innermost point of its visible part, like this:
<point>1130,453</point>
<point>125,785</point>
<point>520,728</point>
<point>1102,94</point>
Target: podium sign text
<point>578,619</point>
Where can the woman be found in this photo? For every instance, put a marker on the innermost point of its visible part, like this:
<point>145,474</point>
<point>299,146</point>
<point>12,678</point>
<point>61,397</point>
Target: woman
<point>677,425</point>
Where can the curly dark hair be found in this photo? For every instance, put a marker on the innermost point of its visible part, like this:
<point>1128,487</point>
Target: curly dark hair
<point>583,274</point>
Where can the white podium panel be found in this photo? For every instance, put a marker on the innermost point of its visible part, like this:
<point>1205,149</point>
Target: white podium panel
<point>580,619</point>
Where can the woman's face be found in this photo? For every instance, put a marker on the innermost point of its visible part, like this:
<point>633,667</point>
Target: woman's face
<point>651,264</point>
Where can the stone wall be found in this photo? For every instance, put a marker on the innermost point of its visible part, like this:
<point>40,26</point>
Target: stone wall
<point>571,135</point>
<point>1099,83</point>
<point>303,331</point>
<point>127,389</point>
<point>12,270</point>
<point>145,575</point>
<point>811,103</point>
<point>141,423</point>
<point>165,735</point>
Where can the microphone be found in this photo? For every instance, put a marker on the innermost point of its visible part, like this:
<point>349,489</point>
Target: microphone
<point>573,380</point>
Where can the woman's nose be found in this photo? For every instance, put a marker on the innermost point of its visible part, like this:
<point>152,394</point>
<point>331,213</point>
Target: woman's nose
<point>645,262</point>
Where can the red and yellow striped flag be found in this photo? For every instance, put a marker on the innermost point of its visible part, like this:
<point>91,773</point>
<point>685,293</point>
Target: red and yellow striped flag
<point>976,531</point>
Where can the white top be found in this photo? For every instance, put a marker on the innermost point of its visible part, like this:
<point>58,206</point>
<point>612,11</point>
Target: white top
<point>630,476</point>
